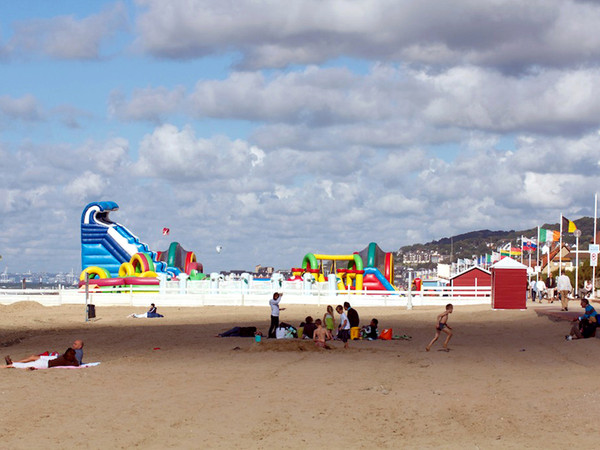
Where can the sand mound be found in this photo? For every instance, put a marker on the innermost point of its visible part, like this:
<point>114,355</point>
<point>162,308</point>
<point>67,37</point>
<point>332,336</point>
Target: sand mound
<point>286,345</point>
<point>22,306</point>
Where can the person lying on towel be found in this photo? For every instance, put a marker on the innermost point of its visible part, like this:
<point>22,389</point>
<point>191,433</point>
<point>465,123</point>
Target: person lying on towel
<point>68,358</point>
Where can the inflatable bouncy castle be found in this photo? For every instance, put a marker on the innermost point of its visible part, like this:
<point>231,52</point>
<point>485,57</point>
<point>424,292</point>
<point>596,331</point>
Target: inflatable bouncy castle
<point>368,269</point>
<point>113,256</point>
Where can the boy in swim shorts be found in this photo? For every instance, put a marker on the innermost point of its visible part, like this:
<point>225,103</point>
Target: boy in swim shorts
<point>320,335</point>
<point>442,325</point>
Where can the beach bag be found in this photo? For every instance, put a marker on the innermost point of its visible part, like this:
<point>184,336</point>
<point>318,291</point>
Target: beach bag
<point>386,334</point>
<point>280,332</point>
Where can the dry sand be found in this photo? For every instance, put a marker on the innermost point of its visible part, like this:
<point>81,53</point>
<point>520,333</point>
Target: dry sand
<point>510,381</point>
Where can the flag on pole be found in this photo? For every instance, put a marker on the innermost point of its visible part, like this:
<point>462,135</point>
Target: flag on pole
<point>568,226</point>
<point>529,244</point>
<point>166,231</point>
<point>549,235</point>
<point>511,251</point>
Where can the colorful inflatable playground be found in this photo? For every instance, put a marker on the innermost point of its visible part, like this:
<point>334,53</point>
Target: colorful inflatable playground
<point>112,256</point>
<point>369,269</point>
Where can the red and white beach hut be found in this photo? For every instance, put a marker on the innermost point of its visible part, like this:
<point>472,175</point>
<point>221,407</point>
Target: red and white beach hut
<point>509,285</point>
<point>473,277</point>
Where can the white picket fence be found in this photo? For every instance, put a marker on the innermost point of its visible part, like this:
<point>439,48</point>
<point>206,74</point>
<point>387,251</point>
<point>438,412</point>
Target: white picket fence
<point>239,293</point>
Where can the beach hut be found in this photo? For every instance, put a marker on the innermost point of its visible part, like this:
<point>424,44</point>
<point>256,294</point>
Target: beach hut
<point>509,285</point>
<point>473,277</point>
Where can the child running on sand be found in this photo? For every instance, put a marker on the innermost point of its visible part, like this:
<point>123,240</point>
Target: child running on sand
<point>442,325</point>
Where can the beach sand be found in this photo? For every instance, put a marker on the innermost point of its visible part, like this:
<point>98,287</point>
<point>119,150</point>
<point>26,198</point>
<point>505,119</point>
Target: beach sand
<point>510,381</point>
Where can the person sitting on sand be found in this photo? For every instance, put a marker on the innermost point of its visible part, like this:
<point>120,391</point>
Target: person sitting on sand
<point>77,346</point>
<point>442,325</point>
<point>66,359</point>
<point>320,335</point>
<point>370,331</point>
<point>309,328</point>
<point>241,332</point>
<point>584,326</point>
<point>151,313</point>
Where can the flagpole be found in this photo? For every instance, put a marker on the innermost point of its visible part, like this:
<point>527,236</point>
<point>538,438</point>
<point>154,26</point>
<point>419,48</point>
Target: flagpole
<point>560,248</point>
<point>594,267</point>
<point>521,249</point>
<point>537,254</point>
<point>577,233</point>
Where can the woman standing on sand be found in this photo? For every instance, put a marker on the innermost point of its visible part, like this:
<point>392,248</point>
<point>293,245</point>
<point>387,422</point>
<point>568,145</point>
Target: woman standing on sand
<point>329,322</point>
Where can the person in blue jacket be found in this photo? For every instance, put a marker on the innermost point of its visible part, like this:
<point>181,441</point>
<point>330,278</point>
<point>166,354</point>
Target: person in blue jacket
<point>585,325</point>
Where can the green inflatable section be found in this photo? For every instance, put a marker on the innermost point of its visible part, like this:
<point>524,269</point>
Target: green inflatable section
<point>172,254</point>
<point>195,275</point>
<point>310,260</point>
<point>357,264</point>
<point>371,255</point>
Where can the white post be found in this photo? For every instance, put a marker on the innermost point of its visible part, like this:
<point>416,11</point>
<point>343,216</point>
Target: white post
<point>537,254</point>
<point>87,295</point>
<point>162,283</point>
<point>183,277</point>
<point>409,305</point>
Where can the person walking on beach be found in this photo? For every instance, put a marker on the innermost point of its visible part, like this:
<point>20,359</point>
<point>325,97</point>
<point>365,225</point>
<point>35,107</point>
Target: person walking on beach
<point>541,289</point>
<point>533,289</point>
<point>564,289</point>
<point>442,325</point>
<point>274,303</point>
<point>550,288</point>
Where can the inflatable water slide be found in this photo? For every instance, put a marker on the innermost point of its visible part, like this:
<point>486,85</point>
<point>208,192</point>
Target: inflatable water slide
<point>369,269</point>
<point>109,251</point>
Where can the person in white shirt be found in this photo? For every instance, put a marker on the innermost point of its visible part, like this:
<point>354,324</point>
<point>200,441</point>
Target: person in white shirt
<point>274,303</point>
<point>344,326</point>
<point>541,289</point>
<point>563,284</point>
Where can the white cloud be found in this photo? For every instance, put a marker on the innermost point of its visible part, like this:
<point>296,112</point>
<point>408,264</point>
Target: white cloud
<point>508,34</point>
<point>86,187</point>
<point>24,108</point>
<point>178,155</point>
<point>66,37</point>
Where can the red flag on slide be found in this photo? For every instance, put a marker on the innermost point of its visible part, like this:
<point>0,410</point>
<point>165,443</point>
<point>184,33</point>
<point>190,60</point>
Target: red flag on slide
<point>166,231</point>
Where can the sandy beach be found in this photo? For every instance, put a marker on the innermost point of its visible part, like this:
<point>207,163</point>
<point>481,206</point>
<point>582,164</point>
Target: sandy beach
<point>510,381</point>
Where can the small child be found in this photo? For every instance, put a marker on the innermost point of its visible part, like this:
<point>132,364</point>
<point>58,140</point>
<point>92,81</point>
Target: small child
<point>329,322</point>
<point>442,325</point>
<point>320,335</point>
<point>370,331</point>
<point>344,326</point>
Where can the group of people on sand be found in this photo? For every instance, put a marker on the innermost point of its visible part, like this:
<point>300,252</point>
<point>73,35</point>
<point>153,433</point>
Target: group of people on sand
<point>323,330</point>
<point>73,356</point>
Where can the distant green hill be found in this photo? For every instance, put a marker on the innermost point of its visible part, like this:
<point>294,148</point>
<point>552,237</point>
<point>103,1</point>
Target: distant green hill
<point>476,243</point>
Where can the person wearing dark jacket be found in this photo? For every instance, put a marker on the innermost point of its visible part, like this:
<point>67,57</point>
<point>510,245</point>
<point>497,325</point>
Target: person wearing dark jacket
<point>352,315</point>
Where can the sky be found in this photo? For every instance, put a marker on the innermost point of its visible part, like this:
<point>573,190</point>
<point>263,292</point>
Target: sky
<point>275,129</point>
